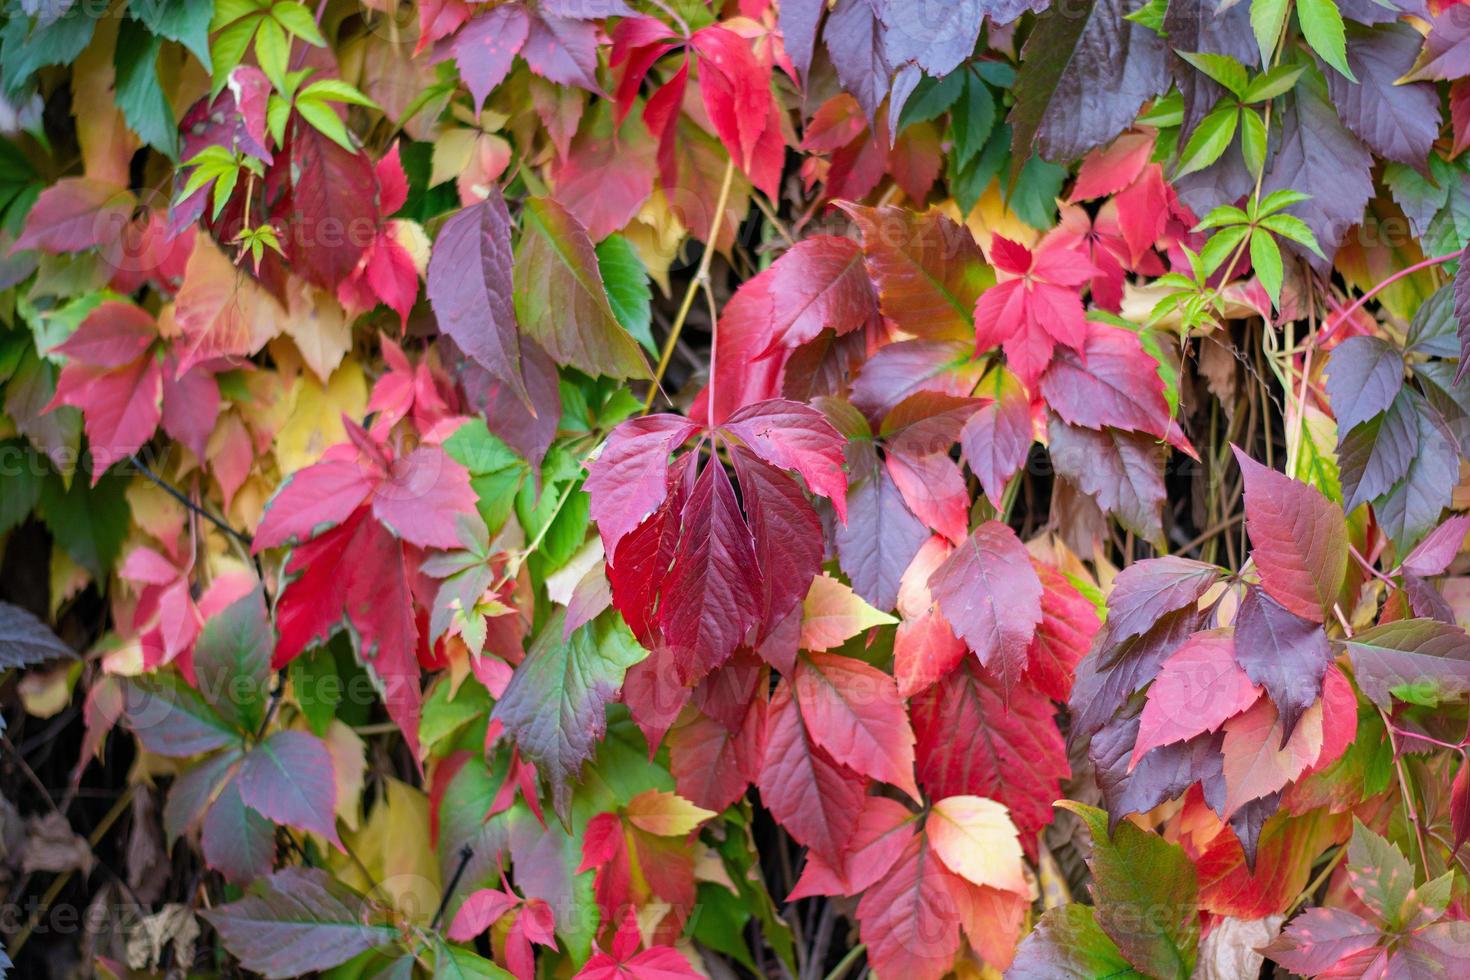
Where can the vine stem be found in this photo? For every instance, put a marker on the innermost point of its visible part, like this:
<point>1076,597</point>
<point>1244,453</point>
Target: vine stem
<point>700,275</point>
<point>844,964</point>
<point>1342,317</point>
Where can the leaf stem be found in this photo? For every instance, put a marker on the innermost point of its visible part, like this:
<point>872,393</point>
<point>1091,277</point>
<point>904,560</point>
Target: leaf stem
<point>1342,317</point>
<point>700,275</point>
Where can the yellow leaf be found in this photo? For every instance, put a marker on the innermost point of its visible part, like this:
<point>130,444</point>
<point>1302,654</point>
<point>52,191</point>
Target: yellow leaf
<point>975,839</point>
<point>665,814</point>
<point>395,850</point>
<point>315,422</point>
<point>220,310</point>
<point>832,613</point>
<point>106,141</point>
<point>349,764</point>
<point>319,327</point>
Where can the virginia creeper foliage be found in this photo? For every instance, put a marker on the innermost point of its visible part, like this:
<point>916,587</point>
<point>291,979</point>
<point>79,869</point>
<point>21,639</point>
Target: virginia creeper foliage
<point>653,489</point>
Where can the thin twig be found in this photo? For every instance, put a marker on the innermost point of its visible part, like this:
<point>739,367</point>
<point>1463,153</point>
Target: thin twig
<point>465,853</point>
<point>183,498</point>
<point>700,274</point>
<point>1342,317</point>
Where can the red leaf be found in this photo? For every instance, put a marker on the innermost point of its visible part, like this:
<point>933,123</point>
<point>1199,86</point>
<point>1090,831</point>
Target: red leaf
<point>1107,170</point>
<point>119,406</point>
<point>911,919</point>
<point>113,335</point>
<point>823,285</point>
<point>817,800</point>
<point>629,479</point>
<point>883,832</point>
<point>972,740</point>
<point>712,596</point>
<point>1298,538</point>
<point>934,489</point>
<point>737,96</point>
<point>712,765</point>
<point>1068,623</point>
<point>786,532</point>
<point>357,572</point>
<point>333,215</point>
<point>898,370</point>
<point>1199,687</point>
<point>855,713</point>
<point>928,270</point>
<point>1037,309</point>
<point>797,437</point>
<point>483,908</point>
<point>1111,381</point>
<point>1146,590</point>
<point>563,51</point>
<point>997,439</point>
<point>990,594</point>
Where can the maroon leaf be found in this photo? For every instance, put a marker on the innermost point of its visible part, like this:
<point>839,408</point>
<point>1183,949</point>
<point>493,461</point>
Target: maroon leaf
<point>288,778</point>
<point>712,596</point>
<point>470,285</point>
<point>796,437</point>
<point>1121,471</point>
<point>786,532</point>
<point>997,439</point>
<point>1284,653</point>
<point>1363,376</point>
<point>487,45</point>
<point>1146,590</point>
<point>823,284</point>
<point>817,800</point>
<point>1398,122</point>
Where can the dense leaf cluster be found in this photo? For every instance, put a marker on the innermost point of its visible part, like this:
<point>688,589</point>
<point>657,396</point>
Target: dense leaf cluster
<point>641,489</point>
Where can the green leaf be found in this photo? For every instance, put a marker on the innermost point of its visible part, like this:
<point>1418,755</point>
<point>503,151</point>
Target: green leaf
<point>1321,24</point>
<point>1277,81</point>
<point>1068,942</point>
<point>1276,200</point>
<point>336,90</point>
<point>184,21</point>
<point>300,920</point>
<point>1151,15</point>
<point>89,522</point>
<point>298,19</point>
<point>968,183</point>
<point>496,472</point>
<point>932,98</point>
<point>1266,258</point>
<point>1252,141</point>
<point>1292,227</point>
<point>1382,877</point>
<point>560,299</point>
<point>1422,661</point>
<point>139,94</point>
<point>171,718</point>
<point>971,120</point>
<point>316,686</point>
<point>1210,139</point>
<point>23,480</point>
<point>273,51</point>
<point>1146,893</point>
<point>628,291</point>
<point>1222,68</point>
<point>1225,214</point>
<point>1166,112</point>
<point>232,661</point>
<point>1034,198</point>
<point>556,704</point>
<point>228,49</point>
<point>25,50</point>
<point>324,119</point>
<point>1221,246</point>
<point>458,963</point>
<point>1267,16</point>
